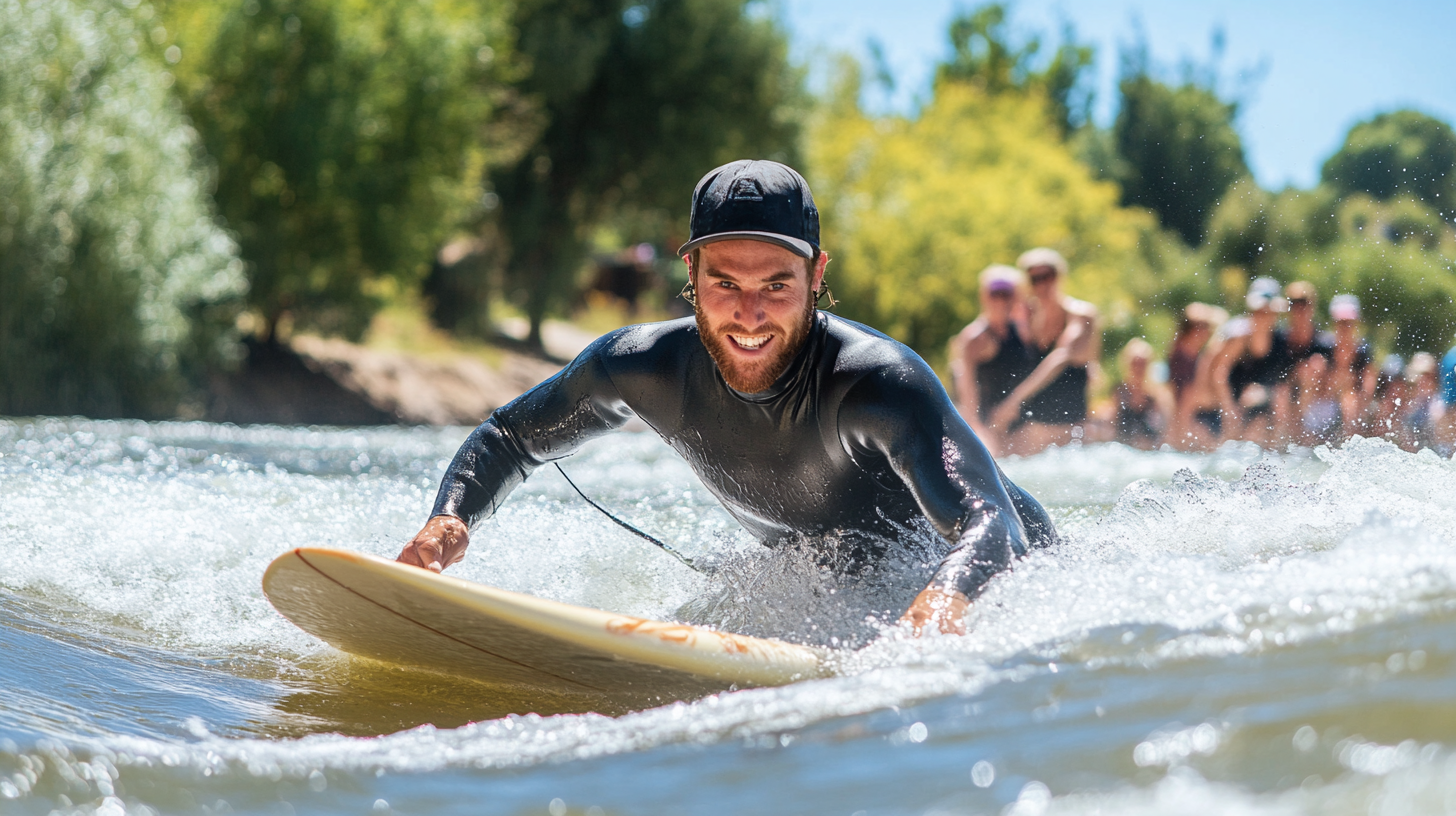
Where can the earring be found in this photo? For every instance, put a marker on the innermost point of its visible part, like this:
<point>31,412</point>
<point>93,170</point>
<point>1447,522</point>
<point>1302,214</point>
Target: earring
<point>823,293</point>
<point>689,294</point>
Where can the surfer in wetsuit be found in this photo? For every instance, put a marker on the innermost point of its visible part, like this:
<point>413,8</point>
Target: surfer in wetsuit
<point>1051,403</point>
<point>991,356</point>
<point>803,424</point>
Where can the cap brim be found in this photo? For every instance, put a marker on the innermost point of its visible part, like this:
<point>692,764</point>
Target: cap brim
<point>799,247</point>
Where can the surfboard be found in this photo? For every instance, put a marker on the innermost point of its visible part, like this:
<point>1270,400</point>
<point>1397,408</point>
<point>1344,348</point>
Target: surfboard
<point>561,656</point>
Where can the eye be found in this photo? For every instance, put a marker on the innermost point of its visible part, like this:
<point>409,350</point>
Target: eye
<point>775,287</point>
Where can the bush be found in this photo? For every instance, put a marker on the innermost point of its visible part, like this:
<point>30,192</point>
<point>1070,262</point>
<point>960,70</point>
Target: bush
<point>116,286</point>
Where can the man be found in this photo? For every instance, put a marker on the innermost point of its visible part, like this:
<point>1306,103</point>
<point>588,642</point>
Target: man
<point>1251,371</point>
<point>992,355</point>
<point>801,423</point>
<point>1052,401</point>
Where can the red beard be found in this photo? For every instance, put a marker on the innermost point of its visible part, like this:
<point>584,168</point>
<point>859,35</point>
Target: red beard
<point>753,376</point>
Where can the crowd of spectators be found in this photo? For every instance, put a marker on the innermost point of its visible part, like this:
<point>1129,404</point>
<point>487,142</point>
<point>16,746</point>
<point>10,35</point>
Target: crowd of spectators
<point>1024,371</point>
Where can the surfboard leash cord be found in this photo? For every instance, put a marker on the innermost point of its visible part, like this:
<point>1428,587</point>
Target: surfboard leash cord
<point>624,525</point>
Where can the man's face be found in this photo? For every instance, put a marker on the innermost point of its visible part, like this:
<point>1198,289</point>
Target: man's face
<point>755,306</point>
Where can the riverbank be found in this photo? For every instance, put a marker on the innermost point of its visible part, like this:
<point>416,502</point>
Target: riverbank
<point>310,380</point>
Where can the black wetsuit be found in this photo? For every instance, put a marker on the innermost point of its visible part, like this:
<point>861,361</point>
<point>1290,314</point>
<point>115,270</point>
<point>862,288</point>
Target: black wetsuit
<point>855,442</point>
<point>998,377</point>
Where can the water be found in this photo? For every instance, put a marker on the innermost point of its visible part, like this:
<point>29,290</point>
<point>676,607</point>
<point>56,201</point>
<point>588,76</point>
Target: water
<point>1233,633</point>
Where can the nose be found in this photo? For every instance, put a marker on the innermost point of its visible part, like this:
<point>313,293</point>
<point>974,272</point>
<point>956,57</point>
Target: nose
<point>748,308</point>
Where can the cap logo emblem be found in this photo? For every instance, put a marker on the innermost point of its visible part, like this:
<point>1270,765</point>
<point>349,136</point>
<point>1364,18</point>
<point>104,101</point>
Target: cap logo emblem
<point>745,189</point>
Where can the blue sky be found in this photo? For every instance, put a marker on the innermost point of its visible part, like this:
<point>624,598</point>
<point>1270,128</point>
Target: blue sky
<point>1325,65</point>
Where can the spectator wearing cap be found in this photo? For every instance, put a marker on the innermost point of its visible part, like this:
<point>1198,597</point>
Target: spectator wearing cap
<point>1051,402</point>
<point>1197,423</point>
<point>1305,337</point>
<point>1253,368</point>
<point>1351,374</point>
<point>992,355</point>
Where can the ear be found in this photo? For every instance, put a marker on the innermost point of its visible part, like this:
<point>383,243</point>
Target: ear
<point>819,266</point>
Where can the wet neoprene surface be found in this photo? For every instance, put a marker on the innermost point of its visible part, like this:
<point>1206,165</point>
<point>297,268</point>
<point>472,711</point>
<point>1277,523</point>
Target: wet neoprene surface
<point>857,438</point>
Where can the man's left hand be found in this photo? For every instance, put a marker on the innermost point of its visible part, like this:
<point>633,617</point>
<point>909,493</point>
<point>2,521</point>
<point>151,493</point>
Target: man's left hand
<point>943,609</point>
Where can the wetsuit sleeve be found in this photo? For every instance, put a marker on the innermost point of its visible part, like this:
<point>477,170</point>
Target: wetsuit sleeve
<point>549,422</point>
<point>903,415</point>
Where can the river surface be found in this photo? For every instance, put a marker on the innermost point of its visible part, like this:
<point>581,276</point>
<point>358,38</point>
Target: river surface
<point>1235,633</point>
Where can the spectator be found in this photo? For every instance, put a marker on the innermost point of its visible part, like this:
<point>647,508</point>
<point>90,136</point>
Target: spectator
<point>1253,369</point>
<point>1316,410</point>
<point>1423,408</point>
<point>1144,406</point>
<point>1382,411</point>
<point>1196,423</point>
<point>992,355</point>
<point>1351,374</point>
<point>1065,342</point>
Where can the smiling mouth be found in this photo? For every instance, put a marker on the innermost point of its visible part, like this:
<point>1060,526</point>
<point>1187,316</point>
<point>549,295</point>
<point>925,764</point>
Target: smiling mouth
<point>750,342</point>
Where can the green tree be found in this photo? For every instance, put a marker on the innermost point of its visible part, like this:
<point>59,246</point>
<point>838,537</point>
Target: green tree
<point>1180,152</point>
<point>915,208</point>
<point>349,138</point>
<point>639,100</point>
<point>117,289</point>
<point>985,54</point>
<point>1404,152</point>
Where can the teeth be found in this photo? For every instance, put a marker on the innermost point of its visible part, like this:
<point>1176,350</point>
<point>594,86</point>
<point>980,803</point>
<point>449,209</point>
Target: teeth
<point>750,341</point>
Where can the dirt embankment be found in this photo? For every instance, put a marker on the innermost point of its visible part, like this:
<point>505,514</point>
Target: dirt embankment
<point>317,381</point>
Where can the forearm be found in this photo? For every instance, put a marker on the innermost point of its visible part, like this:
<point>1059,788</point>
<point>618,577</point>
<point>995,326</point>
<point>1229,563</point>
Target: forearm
<point>483,473</point>
<point>1040,377</point>
<point>986,547</point>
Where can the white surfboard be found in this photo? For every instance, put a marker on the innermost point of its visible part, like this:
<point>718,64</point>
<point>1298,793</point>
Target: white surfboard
<point>567,657</point>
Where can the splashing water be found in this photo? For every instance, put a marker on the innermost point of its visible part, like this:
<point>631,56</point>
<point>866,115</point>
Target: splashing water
<point>1240,632</point>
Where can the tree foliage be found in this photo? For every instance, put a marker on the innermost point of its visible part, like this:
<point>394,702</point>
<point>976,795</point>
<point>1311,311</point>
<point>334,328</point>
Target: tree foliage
<point>915,208</point>
<point>1179,150</point>
<point>115,284</point>
<point>985,54</point>
<point>349,138</point>
<point>639,100</point>
<point>1404,152</point>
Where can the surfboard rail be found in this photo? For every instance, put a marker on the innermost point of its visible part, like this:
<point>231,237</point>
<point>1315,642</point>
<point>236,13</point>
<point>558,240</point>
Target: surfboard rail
<point>382,609</point>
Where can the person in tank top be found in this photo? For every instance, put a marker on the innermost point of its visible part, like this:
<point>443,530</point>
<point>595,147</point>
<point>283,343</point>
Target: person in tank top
<point>1196,423</point>
<point>1144,405</point>
<point>1308,413</point>
<point>1351,374</point>
<point>1253,371</point>
<point>991,356</point>
<point>1050,405</point>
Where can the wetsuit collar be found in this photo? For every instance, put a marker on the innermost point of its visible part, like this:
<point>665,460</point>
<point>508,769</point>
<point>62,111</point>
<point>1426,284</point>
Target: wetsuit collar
<point>798,367</point>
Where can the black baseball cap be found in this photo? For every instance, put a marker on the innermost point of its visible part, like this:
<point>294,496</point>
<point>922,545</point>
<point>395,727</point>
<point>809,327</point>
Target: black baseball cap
<point>755,199</point>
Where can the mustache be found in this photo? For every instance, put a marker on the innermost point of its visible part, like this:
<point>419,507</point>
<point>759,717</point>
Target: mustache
<point>739,328</point>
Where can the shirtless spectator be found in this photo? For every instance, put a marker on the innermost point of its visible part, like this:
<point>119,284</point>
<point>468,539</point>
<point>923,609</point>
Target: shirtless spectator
<point>1196,423</point>
<point>992,355</point>
<point>1252,374</point>
<point>1144,406</point>
<point>1065,343</point>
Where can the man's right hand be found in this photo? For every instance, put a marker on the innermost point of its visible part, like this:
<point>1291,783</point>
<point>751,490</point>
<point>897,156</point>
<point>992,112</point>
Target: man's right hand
<point>439,544</point>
